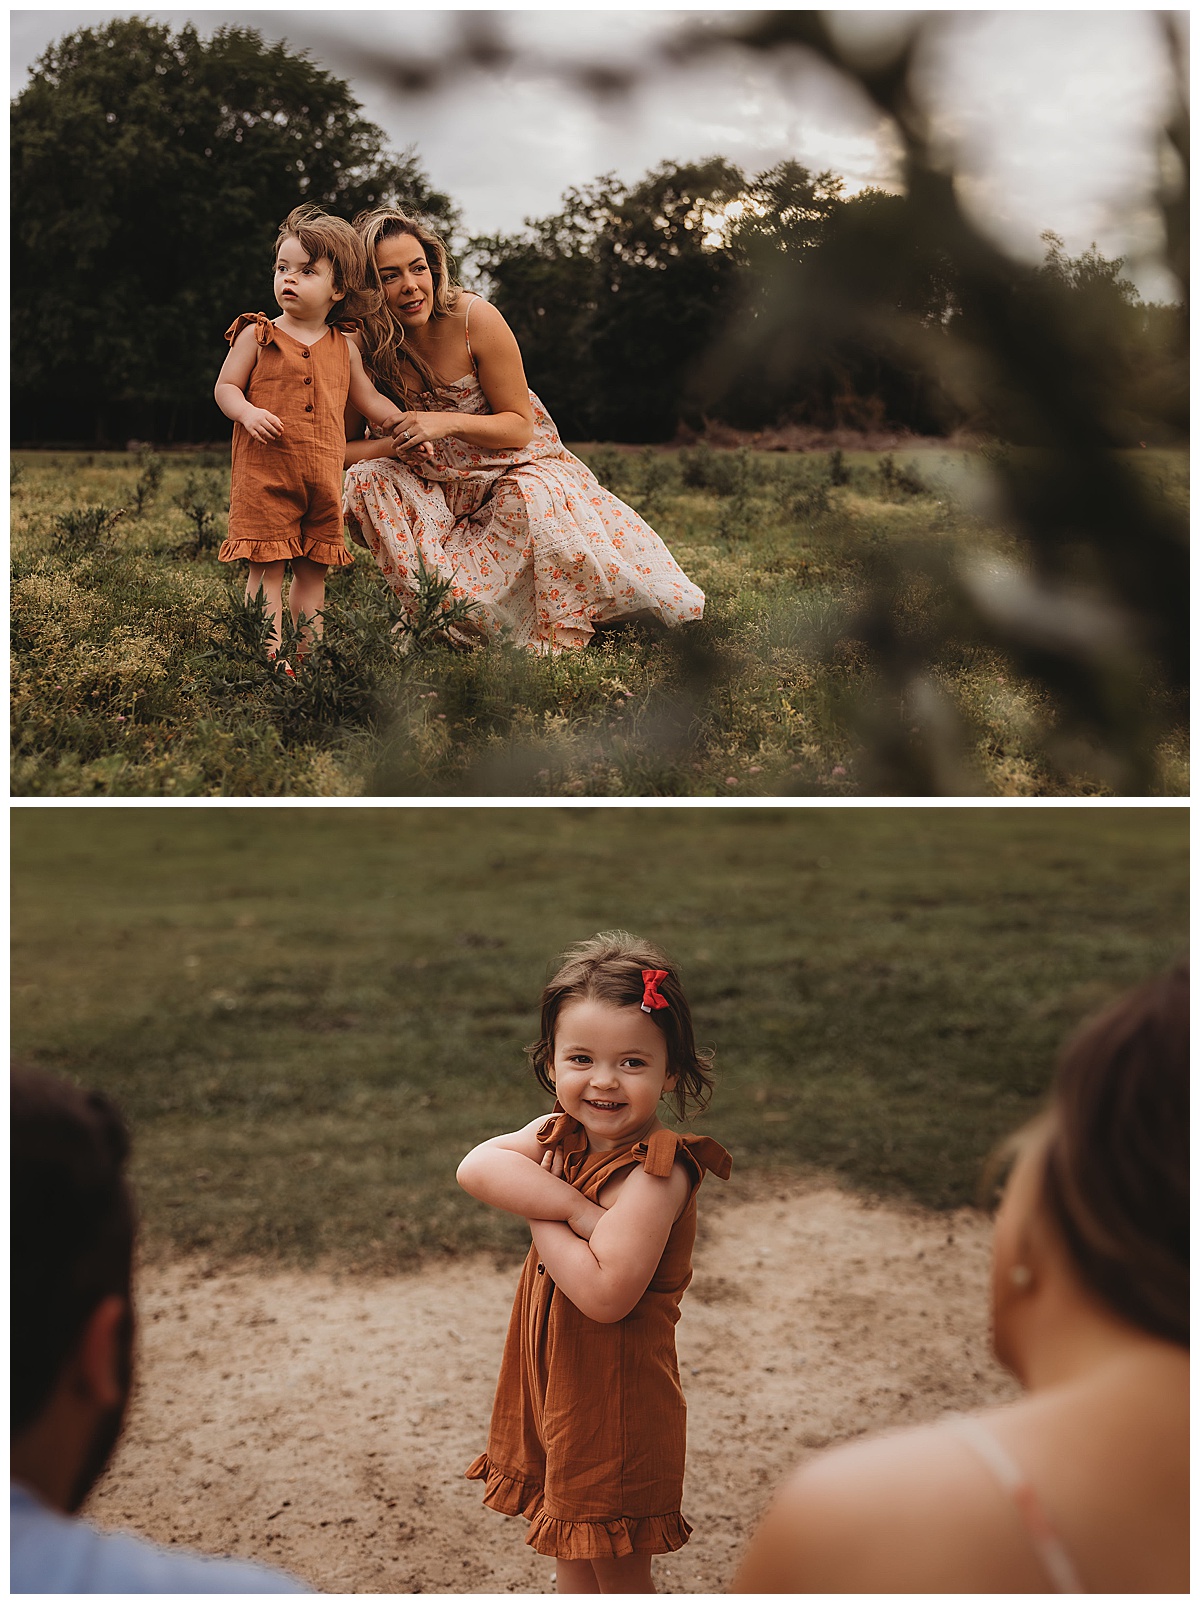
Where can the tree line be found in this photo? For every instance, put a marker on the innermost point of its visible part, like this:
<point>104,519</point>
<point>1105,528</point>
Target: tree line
<point>150,169</point>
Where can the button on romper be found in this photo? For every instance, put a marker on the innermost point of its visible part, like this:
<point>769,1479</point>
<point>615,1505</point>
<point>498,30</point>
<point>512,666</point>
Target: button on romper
<point>285,496</point>
<point>588,1429</point>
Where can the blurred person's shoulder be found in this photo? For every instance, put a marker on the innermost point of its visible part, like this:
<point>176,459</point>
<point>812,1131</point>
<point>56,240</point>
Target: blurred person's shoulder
<point>50,1552</point>
<point>909,1510</point>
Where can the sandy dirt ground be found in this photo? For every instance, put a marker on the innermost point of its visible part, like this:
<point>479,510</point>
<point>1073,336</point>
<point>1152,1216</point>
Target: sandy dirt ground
<point>322,1422</point>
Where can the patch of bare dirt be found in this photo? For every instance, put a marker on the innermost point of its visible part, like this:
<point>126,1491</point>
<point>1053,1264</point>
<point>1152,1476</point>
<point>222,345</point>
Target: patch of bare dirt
<point>323,1422</point>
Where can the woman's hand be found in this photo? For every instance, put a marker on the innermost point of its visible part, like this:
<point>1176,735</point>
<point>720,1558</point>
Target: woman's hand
<point>419,429</point>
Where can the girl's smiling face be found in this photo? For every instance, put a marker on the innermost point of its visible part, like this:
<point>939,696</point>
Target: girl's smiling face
<point>609,1070</point>
<point>406,278</point>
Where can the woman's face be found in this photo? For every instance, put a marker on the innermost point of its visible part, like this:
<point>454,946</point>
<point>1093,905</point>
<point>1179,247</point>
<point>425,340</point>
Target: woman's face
<point>406,278</point>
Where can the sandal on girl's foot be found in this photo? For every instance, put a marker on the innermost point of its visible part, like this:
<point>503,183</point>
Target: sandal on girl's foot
<point>280,664</point>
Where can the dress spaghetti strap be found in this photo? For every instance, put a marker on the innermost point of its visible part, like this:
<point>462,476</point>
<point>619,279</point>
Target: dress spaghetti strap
<point>1046,1541</point>
<point>467,332</point>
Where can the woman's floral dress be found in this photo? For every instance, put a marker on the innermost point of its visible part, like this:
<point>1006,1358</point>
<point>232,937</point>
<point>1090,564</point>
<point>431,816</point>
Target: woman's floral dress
<point>531,536</point>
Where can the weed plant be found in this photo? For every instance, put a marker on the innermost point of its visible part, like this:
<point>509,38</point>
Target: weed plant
<point>136,672</point>
<point>149,481</point>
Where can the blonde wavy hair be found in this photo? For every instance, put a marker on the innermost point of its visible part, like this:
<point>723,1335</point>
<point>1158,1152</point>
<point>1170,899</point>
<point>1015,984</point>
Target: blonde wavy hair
<point>392,363</point>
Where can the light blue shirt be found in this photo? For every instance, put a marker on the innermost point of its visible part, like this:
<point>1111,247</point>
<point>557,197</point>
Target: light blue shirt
<point>54,1553</point>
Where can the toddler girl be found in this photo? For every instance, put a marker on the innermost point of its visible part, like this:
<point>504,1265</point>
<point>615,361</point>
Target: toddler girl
<point>587,1433</point>
<point>285,384</point>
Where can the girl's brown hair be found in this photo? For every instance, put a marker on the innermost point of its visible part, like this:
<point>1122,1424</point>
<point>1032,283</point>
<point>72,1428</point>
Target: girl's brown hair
<point>1115,1181</point>
<point>608,968</point>
<point>392,364</point>
<point>332,239</point>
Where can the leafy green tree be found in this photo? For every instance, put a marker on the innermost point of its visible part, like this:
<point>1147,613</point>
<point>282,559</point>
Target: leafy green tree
<point>670,285</point>
<point>548,285</point>
<point>615,297</point>
<point>699,293</point>
<point>784,212</point>
<point>150,171</point>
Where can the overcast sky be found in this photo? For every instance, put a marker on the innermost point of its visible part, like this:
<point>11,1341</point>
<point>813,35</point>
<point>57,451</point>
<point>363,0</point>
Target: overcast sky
<point>1053,114</point>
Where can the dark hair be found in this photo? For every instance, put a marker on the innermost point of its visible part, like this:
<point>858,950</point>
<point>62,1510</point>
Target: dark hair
<point>332,239</point>
<point>72,1227</point>
<point>1115,1181</point>
<point>608,968</point>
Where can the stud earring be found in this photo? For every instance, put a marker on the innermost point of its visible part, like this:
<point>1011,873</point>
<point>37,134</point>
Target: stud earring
<point>1021,1275</point>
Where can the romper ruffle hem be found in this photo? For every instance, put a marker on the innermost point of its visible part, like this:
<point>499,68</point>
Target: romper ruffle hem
<point>285,495</point>
<point>588,1429</point>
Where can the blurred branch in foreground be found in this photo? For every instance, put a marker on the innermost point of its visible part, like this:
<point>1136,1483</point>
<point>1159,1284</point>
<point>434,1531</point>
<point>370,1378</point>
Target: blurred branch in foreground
<point>1100,616</point>
<point>1095,612</point>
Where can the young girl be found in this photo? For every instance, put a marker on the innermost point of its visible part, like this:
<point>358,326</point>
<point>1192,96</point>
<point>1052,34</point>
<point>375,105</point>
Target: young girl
<point>587,1433</point>
<point>285,384</point>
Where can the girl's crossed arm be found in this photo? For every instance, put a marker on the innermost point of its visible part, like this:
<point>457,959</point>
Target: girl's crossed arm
<point>606,1275</point>
<point>510,1173</point>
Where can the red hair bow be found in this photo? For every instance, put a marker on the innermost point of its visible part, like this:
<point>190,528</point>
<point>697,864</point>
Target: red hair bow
<point>650,997</point>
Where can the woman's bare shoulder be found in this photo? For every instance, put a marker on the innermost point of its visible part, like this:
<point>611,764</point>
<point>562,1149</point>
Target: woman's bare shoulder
<point>898,1512</point>
<point>877,1463</point>
<point>486,319</point>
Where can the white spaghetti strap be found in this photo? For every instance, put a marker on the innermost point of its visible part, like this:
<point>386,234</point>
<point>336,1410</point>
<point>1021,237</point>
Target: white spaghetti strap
<point>467,330</point>
<point>1046,1541</point>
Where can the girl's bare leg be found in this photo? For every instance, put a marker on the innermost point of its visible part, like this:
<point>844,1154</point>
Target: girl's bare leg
<point>268,577</point>
<point>575,1576</point>
<point>628,1575</point>
<point>307,596</point>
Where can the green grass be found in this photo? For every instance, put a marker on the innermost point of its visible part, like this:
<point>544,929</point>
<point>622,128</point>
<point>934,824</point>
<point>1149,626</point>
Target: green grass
<point>132,673</point>
<point>310,1014</point>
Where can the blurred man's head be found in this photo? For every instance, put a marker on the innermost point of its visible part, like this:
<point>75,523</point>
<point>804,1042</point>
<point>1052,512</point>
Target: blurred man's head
<point>71,1296</point>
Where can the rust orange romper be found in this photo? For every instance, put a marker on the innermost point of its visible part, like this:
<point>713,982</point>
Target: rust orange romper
<point>285,495</point>
<point>588,1428</point>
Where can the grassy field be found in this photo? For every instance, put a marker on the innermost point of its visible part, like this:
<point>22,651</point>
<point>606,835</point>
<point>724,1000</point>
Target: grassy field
<point>134,672</point>
<point>310,1014</point>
